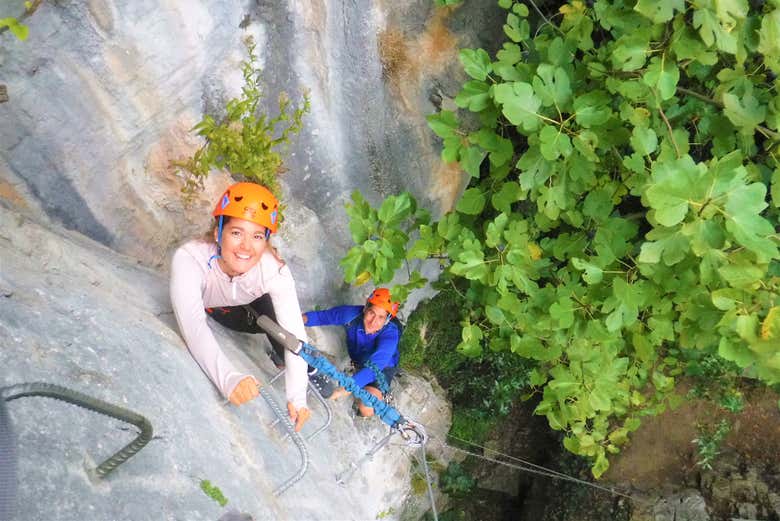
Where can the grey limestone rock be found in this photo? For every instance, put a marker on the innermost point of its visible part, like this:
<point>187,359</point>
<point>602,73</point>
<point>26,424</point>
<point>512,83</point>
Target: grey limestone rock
<point>77,314</point>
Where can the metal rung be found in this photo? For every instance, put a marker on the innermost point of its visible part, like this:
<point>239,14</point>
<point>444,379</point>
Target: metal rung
<point>297,439</point>
<point>323,401</point>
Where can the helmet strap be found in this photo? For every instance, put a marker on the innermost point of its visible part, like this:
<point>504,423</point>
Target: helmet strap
<point>219,235</point>
<point>219,242</point>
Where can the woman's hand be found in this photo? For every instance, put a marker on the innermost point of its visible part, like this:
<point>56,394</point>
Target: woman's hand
<point>298,416</point>
<point>244,391</point>
<point>339,393</point>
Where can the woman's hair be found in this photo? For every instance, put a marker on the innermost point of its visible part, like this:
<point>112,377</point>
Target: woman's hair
<point>209,237</point>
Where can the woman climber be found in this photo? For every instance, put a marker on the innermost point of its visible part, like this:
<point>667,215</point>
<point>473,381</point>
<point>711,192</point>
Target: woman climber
<point>373,334</point>
<point>218,276</point>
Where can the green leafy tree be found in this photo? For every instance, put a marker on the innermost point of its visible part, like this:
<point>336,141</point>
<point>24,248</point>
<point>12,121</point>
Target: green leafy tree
<point>622,218</point>
<point>246,141</point>
<point>380,238</point>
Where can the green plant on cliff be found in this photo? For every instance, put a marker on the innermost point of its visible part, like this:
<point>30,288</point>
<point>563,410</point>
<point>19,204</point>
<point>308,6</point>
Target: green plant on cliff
<point>19,30</point>
<point>213,492</point>
<point>15,25</point>
<point>622,214</point>
<point>380,238</point>
<point>246,141</point>
<point>709,443</point>
<point>481,389</point>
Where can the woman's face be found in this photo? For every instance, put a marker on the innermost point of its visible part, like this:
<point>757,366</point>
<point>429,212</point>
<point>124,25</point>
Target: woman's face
<point>243,243</point>
<point>374,319</point>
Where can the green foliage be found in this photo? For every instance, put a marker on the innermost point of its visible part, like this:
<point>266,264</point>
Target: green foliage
<point>19,30</point>
<point>381,237</point>
<point>419,485</point>
<point>481,389</point>
<point>472,424</point>
<point>213,492</point>
<point>445,3</point>
<point>456,481</point>
<point>15,25</point>
<point>715,378</point>
<point>246,142</point>
<point>385,513</point>
<point>709,442</point>
<point>419,481</point>
<point>622,214</point>
<point>429,336</point>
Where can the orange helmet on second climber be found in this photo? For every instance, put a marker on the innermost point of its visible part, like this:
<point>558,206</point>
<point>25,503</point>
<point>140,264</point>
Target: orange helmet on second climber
<point>251,202</point>
<point>381,297</point>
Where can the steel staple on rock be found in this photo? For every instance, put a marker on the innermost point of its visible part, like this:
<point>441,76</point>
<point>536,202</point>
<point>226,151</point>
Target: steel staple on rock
<point>296,438</point>
<point>82,400</point>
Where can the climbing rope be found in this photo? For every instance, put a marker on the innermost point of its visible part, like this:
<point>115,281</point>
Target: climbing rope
<point>64,394</point>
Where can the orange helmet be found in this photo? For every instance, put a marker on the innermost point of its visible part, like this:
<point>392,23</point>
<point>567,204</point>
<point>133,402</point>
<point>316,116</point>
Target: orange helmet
<point>251,202</point>
<point>381,297</point>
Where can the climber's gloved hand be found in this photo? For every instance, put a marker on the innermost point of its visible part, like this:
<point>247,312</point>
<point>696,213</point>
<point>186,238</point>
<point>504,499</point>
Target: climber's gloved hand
<point>244,391</point>
<point>339,393</point>
<point>298,416</point>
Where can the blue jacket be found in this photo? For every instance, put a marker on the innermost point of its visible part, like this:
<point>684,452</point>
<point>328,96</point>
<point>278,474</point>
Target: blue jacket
<point>381,347</point>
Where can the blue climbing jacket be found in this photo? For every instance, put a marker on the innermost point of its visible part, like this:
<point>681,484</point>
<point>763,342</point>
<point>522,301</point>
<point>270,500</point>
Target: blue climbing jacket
<point>381,348</point>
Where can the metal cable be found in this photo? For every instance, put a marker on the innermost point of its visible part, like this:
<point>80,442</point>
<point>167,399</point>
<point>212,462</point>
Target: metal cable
<point>428,482</point>
<point>540,470</point>
<point>64,394</point>
<point>343,476</point>
<point>552,473</point>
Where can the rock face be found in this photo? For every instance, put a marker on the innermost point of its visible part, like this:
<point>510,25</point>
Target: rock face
<point>103,94</point>
<point>77,314</point>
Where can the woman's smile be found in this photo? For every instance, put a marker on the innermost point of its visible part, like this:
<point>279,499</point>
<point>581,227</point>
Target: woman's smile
<point>243,244</point>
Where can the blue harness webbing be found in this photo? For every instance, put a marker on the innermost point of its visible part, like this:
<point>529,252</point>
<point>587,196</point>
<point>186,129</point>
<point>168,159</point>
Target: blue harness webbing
<point>381,381</point>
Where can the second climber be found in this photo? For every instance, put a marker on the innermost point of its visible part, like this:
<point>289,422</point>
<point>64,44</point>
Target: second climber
<point>372,335</point>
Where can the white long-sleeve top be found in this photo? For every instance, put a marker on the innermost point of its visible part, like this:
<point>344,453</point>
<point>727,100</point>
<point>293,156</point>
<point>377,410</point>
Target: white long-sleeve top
<point>196,286</point>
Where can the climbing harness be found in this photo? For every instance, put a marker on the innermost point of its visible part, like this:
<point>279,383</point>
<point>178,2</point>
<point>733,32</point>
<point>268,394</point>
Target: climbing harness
<point>64,394</point>
<point>413,433</point>
<point>384,387</point>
